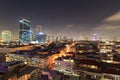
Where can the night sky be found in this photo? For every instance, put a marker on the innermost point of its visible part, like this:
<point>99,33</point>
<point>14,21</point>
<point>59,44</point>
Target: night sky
<point>72,18</point>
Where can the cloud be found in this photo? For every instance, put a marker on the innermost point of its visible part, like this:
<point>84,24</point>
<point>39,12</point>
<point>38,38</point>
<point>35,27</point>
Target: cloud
<point>69,25</point>
<point>107,31</point>
<point>110,23</point>
<point>114,18</point>
<point>107,27</point>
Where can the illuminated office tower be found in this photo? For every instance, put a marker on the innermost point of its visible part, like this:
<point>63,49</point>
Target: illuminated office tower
<point>24,33</point>
<point>6,36</point>
<point>41,38</point>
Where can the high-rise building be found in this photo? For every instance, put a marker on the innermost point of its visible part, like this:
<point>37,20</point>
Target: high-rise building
<point>41,38</point>
<point>6,36</point>
<point>38,36</point>
<point>24,33</point>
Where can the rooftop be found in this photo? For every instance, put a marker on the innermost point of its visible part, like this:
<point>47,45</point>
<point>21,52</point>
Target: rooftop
<point>28,70</point>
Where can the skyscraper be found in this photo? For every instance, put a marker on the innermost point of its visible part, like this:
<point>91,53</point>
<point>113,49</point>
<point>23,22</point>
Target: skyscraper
<point>6,36</point>
<point>24,33</point>
<point>39,36</point>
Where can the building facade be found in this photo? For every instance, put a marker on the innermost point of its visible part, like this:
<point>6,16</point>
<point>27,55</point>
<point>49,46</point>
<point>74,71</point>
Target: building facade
<point>6,36</point>
<point>41,38</point>
<point>64,65</point>
<point>24,33</point>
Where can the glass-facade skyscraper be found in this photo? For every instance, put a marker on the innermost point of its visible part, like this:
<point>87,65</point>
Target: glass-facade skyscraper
<point>24,33</point>
<point>41,38</point>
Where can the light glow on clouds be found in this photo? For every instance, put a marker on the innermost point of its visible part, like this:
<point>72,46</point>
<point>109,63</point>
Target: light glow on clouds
<point>113,18</point>
<point>109,27</point>
<point>69,25</point>
<point>110,23</point>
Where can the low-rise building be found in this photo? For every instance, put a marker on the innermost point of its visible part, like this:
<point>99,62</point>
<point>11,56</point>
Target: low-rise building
<point>16,70</point>
<point>36,60</point>
<point>64,64</point>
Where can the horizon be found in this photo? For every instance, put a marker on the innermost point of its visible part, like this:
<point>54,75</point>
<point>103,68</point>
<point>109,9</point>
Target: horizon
<point>74,19</point>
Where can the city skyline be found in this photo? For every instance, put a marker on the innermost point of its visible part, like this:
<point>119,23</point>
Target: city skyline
<point>77,19</point>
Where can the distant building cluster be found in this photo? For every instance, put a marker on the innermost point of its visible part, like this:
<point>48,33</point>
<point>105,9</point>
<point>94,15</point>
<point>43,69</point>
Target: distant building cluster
<point>26,34</point>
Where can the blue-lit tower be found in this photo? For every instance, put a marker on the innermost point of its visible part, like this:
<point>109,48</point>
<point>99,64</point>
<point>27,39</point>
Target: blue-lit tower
<point>41,38</point>
<point>24,33</point>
